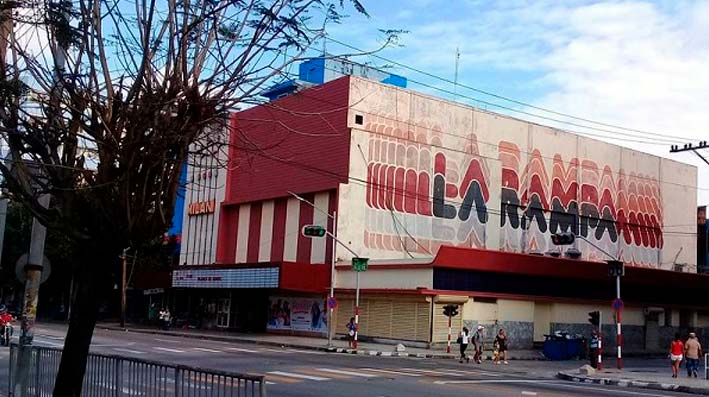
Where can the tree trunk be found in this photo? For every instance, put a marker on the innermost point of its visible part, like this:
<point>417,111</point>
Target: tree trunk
<point>84,314</point>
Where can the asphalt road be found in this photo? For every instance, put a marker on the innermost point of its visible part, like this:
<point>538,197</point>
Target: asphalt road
<point>300,373</point>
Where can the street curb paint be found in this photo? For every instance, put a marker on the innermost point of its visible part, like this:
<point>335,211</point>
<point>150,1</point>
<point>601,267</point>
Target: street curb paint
<point>633,383</point>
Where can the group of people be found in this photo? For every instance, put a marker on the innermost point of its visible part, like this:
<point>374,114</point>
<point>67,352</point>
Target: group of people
<point>499,345</point>
<point>689,352</point>
<point>6,320</point>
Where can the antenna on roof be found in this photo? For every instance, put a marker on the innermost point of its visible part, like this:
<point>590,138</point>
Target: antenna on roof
<point>455,78</point>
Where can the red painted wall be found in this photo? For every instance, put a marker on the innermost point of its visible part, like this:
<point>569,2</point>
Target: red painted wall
<point>298,143</point>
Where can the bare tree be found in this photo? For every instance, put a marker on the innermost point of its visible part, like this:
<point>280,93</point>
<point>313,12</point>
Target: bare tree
<point>101,100</point>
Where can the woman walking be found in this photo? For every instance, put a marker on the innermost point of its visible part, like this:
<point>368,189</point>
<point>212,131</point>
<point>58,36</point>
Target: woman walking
<point>676,351</point>
<point>464,340</point>
<point>501,341</point>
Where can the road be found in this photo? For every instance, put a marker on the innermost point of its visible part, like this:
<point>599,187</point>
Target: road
<point>299,373</point>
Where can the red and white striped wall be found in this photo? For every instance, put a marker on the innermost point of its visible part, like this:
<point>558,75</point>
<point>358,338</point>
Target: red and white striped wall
<point>269,231</point>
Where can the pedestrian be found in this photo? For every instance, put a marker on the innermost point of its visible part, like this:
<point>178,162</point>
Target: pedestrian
<point>593,349</point>
<point>676,351</point>
<point>502,342</point>
<point>351,327</point>
<point>478,344</point>
<point>692,352</point>
<point>165,318</point>
<point>464,339</point>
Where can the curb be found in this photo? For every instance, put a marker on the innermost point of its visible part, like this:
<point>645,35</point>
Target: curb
<point>633,383</point>
<point>304,347</point>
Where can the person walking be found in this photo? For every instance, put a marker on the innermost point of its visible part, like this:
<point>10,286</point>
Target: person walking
<point>351,331</point>
<point>593,349</point>
<point>676,352</point>
<point>478,344</point>
<point>502,342</point>
<point>692,352</point>
<point>165,318</point>
<point>464,339</point>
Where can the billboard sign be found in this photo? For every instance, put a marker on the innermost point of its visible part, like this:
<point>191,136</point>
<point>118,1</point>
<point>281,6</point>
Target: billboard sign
<point>297,314</point>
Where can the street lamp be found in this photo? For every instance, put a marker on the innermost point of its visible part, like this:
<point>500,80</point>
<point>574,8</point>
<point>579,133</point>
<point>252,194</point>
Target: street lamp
<point>332,216</point>
<point>616,268</point>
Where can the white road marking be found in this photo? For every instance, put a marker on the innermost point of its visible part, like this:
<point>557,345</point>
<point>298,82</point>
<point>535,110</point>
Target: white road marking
<point>501,381</point>
<point>297,376</point>
<point>342,372</point>
<point>168,340</point>
<point>427,371</point>
<point>528,393</point>
<point>270,383</point>
<point>238,349</point>
<point>203,349</point>
<point>50,344</point>
<point>386,371</point>
<point>476,372</point>
<point>128,351</point>
<point>278,351</point>
<point>165,349</point>
<point>55,337</point>
<point>308,351</point>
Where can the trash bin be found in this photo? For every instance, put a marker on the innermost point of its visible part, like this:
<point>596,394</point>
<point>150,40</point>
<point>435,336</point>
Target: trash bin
<point>562,346</point>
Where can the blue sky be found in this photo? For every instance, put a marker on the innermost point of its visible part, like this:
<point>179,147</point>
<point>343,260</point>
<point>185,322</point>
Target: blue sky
<point>639,64</point>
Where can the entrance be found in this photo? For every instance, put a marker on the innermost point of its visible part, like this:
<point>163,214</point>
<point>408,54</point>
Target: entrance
<point>223,312</point>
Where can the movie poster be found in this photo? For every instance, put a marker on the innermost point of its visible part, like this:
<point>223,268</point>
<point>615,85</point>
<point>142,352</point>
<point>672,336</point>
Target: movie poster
<point>297,314</point>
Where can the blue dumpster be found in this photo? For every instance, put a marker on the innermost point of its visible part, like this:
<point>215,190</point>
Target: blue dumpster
<point>562,346</point>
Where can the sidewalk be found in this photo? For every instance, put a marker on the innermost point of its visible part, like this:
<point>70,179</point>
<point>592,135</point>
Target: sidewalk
<point>312,343</point>
<point>657,379</point>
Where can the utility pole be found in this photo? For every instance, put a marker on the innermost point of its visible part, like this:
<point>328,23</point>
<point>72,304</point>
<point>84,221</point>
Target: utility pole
<point>123,288</point>
<point>616,269</point>
<point>33,271</point>
<point>688,147</point>
<point>333,235</point>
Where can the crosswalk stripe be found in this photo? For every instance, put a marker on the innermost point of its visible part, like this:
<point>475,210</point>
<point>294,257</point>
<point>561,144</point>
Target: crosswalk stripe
<point>282,379</point>
<point>350,373</point>
<point>427,371</point>
<point>475,372</point>
<point>297,376</point>
<point>238,349</point>
<point>167,340</point>
<point>118,349</point>
<point>203,349</point>
<point>387,371</point>
<point>165,349</point>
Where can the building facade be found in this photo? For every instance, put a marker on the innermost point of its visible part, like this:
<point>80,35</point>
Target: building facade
<point>452,204</point>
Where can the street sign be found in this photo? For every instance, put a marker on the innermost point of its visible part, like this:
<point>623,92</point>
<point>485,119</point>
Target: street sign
<point>617,304</point>
<point>359,264</point>
<point>332,302</point>
<point>20,268</point>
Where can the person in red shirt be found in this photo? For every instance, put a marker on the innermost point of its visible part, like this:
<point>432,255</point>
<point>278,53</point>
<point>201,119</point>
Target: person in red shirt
<point>5,320</point>
<point>676,351</point>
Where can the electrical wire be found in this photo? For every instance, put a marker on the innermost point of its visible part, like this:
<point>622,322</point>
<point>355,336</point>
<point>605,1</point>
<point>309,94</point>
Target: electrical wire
<point>509,99</point>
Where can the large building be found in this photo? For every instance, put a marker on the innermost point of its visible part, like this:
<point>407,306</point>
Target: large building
<point>452,204</point>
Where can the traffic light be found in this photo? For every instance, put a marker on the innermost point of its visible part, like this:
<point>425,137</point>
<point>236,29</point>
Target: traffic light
<point>564,238</point>
<point>594,317</point>
<point>616,268</point>
<point>313,231</point>
<point>450,310</point>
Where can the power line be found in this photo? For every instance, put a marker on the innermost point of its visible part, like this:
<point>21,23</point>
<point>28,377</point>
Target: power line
<point>580,164</point>
<point>630,137</point>
<point>512,100</point>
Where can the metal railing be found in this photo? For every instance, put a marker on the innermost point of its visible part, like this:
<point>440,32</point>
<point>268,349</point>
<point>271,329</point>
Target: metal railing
<point>706,366</point>
<point>112,375</point>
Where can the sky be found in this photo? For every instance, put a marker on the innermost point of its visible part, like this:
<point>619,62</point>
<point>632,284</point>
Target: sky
<point>642,65</point>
